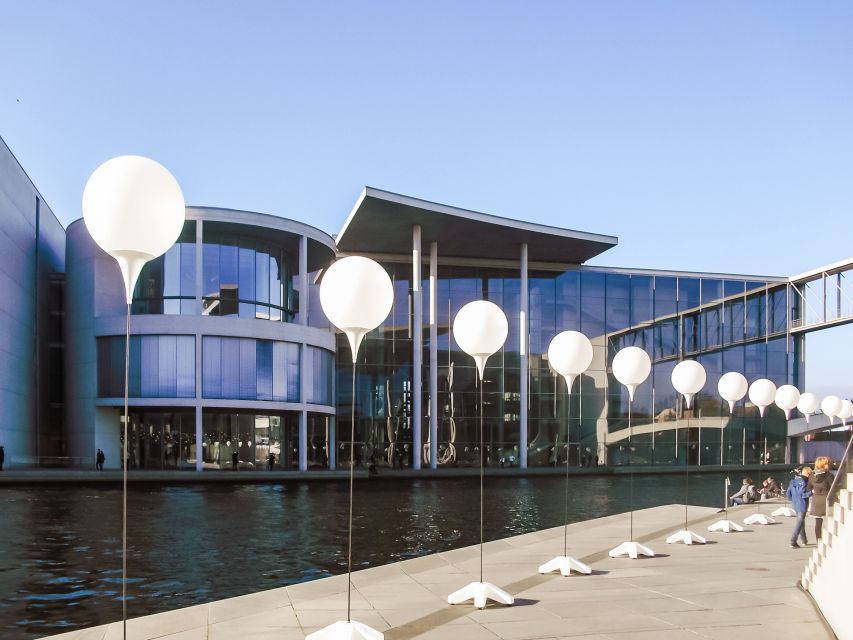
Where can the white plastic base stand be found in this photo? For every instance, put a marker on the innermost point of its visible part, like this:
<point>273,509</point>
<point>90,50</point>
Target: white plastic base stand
<point>480,592</point>
<point>726,526</point>
<point>343,630</point>
<point>632,549</point>
<point>565,564</point>
<point>758,518</point>
<point>787,512</point>
<point>687,537</point>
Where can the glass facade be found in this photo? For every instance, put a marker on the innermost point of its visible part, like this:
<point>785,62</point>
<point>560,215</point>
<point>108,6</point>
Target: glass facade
<point>247,278</point>
<point>161,439</point>
<point>248,369</point>
<point>246,440</point>
<point>160,367</point>
<point>167,283</point>
<point>724,324</point>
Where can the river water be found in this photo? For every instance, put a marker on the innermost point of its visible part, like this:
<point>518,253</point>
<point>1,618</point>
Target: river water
<point>60,547</point>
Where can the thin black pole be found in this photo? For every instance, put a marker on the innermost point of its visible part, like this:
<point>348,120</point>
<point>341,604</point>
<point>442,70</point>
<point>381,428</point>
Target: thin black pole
<point>482,455</point>
<point>124,482</point>
<point>351,459</point>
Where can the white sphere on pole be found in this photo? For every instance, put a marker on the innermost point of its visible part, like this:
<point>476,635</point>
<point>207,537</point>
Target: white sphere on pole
<point>732,387</point>
<point>846,410</point>
<point>787,397</point>
<point>631,366</point>
<point>570,354</point>
<point>808,404</point>
<point>356,295</point>
<point>831,407</point>
<point>134,210</point>
<point>688,378</point>
<point>480,329</point>
<point>762,393</point>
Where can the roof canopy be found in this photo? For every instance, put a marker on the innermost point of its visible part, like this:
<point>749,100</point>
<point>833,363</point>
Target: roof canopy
<point>381,222</point>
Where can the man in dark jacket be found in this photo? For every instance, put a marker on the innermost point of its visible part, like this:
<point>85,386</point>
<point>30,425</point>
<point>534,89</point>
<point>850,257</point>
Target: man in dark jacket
<point>798,494</point>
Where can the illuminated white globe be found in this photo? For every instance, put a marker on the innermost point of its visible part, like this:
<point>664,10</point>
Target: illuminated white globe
<point>134,210</point>
<point>787,397</point>
<point>808,404</point>
<point>831,407</point>
<point>631,366</point>
<point>688,378</point>
<point>846,410</point>
<point>570,354</point>
<point>356,295</point>
<point>732,387</point>
<point>762,393</point>
<point>480,329</point>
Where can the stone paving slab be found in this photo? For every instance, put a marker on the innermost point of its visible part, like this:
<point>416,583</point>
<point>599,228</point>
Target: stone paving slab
<point>738,585</point>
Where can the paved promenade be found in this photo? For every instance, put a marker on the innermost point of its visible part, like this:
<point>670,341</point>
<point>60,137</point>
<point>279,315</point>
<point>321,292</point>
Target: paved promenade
<point>739,585</point>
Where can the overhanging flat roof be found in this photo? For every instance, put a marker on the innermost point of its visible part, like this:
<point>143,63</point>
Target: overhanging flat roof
<point>381,222</point>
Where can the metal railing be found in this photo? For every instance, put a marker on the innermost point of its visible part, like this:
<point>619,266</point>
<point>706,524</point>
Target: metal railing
<point>839,482</point>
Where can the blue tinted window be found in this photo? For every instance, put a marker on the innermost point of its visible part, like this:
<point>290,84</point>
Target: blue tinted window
<point>160,367</point>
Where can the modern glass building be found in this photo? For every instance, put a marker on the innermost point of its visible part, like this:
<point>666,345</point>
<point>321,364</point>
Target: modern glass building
<point>227,369</point>
<point>417,392</point>
<point>234,366</point>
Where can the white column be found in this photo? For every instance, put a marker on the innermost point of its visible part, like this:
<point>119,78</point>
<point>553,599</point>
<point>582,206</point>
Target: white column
<point>199,439</point>
<point>417,349</point>
<point>524,314</point>
<point>433,355</point>
<point>332,450</point>
<point>303,440</point>
<point>302,318</point>
<point>199,307</point>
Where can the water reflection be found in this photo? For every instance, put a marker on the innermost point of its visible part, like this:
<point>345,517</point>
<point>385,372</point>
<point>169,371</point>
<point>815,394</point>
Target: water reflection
<point>60,551</point>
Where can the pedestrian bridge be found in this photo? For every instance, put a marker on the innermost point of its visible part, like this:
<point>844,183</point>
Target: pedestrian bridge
<point>822,298</point>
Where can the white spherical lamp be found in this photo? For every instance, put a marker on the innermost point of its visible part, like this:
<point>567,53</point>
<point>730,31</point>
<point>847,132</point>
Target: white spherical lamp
<point>762,393</point>
<point>134,210</point>
<point>732,388</point>
<point>831,407</point>
<point>808,404</point>
<point>356,295</point>
<point>570,354</point>
<point>631,366</point>
<point>846,411</point>
<point>688,378</point>
<point>787,397</point>
<point>480,329</point>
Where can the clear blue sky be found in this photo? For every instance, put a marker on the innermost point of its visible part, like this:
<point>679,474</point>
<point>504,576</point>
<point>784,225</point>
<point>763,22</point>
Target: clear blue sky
<point>707,136</point>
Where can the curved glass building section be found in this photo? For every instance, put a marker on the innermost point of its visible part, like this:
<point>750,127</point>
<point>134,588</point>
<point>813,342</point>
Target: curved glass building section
<point>213,383</point>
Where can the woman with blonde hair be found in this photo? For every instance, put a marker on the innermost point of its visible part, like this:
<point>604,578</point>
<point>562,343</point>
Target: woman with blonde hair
<point>819,484</point>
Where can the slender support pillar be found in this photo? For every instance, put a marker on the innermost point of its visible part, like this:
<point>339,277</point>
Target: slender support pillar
<point>523,342</point>
<point>303,440</point>
<point>199,439</point>
<point>199,309</point>
<point>417,349</point>
<point>433,355</point>
<point>303,281</point>
<point>332,447</point>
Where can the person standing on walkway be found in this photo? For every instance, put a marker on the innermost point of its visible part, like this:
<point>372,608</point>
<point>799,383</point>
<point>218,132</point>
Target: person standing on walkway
<point>2,456</point>
<point>798,494</point>
<point>100,458</point>
<point>819,484</point>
